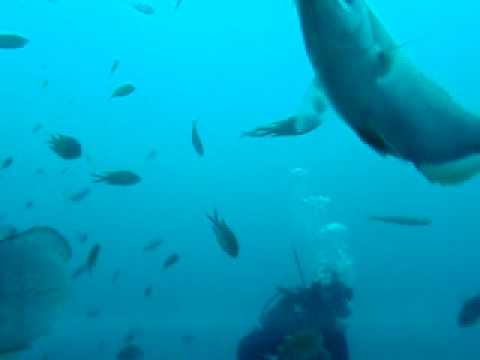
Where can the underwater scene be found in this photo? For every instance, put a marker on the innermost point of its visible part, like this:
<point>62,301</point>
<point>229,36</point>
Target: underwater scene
<point>220,180</point>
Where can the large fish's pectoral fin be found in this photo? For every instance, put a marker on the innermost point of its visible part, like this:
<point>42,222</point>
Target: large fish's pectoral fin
<point>452,172</point>
<point>313,106</point>
<point>374,140</point>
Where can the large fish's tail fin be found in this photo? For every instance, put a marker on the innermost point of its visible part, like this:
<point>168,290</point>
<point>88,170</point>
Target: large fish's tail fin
<point>452,172</point>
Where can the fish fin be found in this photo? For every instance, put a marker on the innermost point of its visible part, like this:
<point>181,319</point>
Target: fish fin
<point>211,218</point>
<point>79,271</point>
<point>452,172</point>
<point>375,141</point>
<point>97,178</point>
<point>313,105</point>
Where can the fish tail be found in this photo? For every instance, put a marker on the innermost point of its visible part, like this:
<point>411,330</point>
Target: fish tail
<point>79,271</point>
<point>97,178</point>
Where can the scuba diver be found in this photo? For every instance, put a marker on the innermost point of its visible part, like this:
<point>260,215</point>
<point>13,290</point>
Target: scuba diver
<point>299,311</point>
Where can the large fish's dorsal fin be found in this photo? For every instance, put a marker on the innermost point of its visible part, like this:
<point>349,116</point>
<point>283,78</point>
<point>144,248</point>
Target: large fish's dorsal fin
<point>452,172</point>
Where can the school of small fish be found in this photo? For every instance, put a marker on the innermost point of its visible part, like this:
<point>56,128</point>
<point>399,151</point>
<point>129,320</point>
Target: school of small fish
<point>55,252</point>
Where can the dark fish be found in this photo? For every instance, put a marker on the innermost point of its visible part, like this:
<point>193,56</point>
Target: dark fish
<point>224,235</point>
<point>148,291</point>
<point>170,261</point>
<point>37,127</point>
<point>123,90</point>
<point>90,263</point>
<point>403,220</point>
<point>144,8</point>
<point>93,313</point>
<point>44,84</point>
<point>152,155</point>
<point>7,163</point>
<point>114,68</point>
<point>10,41</point>
<point>470,313</point>
<point>83,238</point>
<point>29,204</point>
<point>130,352</point>
<point>196,141</point>
<point>115,276</point>
<point>80,194</point>
<point>67,147</point>
<point>177,5</point>
<point>132,335</point>
<point>153,245</point>
<point>187,339</point>
<point>118,178</point>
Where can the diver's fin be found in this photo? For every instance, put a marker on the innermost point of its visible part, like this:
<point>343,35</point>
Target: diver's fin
<point>452,172</point>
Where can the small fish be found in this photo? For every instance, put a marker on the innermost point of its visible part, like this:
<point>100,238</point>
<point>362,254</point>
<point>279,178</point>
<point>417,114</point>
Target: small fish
<point>83,238</point>
<point>40,171</point>
<point>37,127</point>
<point>7,163</point>
<point>29,204</point>
<point>153,245</point>
<point>226,238</point>
<point>144,8</point>
<point>130,352</point>
<point>114,68</point>
<point>80,194</point>
<point>45,84</point>
<point>148,291</point>
<point>93,313</point>
<point>196,141</point>
<point>152,155</point>
<point>90,263</point>
<point>470,313</point>
<point>123,90</point>
<point>117,178</point>
<point>67,147</point>
<point>115,276</point>
<point>177,5</point>
<point>170,261</point>
<point>132,335</point>
<point>187,339</point>
<point>11,41</point>
<point>403,220</point>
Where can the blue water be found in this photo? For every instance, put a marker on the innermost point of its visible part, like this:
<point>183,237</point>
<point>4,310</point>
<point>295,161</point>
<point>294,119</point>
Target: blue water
<point>232,66</point>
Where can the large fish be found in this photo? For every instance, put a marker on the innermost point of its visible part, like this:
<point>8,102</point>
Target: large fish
<point>382,96</point>
<point>34,284</point>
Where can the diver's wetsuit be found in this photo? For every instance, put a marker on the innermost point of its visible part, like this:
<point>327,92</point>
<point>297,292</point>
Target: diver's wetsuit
<point>317,307</point>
